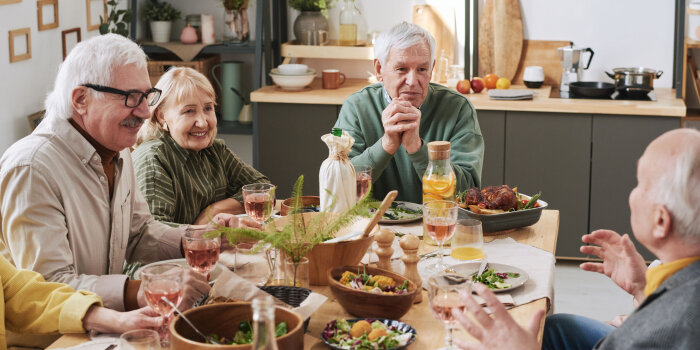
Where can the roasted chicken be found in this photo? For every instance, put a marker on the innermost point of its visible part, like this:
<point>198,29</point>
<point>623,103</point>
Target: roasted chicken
<point>492,197</point>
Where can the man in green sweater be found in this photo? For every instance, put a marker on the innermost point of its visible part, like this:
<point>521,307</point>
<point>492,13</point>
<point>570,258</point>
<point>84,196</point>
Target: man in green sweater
<point>393,121</point>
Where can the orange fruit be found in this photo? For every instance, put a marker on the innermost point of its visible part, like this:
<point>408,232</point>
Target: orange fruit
<point>503,83</point>
<point>490,81</point>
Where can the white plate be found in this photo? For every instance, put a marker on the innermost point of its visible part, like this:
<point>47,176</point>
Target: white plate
<point>183,262</point>
<point>468,269</point>
<point>409,205</point>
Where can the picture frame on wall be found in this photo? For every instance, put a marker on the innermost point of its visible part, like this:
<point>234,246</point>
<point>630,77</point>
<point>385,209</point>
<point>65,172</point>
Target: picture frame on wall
<point>14,35</point>
<point>40,4</point>
<point>67,41</point>
<point>93,13</point>
<point>35,119</point>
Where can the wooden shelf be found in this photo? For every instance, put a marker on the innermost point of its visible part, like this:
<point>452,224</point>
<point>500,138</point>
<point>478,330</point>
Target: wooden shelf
<point>332,51</point>
<point>692,44</point>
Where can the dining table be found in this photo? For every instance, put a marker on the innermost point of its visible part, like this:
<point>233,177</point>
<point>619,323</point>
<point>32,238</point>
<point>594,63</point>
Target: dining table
<point>431,332</point>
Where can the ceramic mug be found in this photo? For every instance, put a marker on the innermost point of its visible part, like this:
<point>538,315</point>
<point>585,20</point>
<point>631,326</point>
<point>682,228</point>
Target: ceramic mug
<point>533,73</point>
<point>332,78</point>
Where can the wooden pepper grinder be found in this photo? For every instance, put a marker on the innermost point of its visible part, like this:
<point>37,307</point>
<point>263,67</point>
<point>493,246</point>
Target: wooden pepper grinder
<point>384,240</point>
<point>410,258</point>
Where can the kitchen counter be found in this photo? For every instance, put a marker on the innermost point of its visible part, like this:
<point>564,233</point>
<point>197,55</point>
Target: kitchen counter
<point>666,104</point>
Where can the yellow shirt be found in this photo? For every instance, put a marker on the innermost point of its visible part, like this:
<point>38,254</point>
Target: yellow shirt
<point>31,305</point>
<point>658,274</point>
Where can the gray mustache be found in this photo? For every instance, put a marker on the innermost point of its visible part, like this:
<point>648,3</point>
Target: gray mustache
<point>131,122</point>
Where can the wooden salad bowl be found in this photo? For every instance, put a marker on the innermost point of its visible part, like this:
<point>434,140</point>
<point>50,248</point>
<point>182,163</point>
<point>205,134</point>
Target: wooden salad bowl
<point>306,201</point>
<point>223,319</point>
<point>325,256</point>
<point>366,304</point>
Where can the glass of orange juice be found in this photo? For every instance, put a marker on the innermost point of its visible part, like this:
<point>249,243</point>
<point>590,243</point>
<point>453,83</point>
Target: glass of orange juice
<point>468,240</point>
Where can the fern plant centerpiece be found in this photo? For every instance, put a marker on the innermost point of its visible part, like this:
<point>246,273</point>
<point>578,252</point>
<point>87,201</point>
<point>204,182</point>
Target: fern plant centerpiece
<point>296,236</point>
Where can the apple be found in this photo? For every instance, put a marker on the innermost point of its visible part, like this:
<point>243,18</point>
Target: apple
<point>477,84</point>
<point>463,86</point>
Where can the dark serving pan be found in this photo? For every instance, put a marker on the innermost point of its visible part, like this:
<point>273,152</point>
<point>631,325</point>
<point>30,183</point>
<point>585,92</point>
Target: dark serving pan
<point>591,89</point>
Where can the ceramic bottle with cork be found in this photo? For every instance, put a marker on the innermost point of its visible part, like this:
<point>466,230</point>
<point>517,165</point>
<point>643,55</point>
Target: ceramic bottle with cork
<point>439,180</point>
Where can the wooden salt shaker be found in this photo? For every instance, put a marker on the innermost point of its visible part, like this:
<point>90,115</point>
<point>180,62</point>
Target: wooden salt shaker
<point>384,240</point>
<point>410,258</point>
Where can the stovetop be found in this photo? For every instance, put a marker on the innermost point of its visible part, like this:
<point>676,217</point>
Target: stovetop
<point>617,95</point>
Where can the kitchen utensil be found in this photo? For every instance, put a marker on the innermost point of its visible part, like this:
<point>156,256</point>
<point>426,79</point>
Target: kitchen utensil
<point>634,79</point>
<point>511,94</point>
<point>306,201</point>
<point>591,89</point>
<point>183,262</point>
<point>571,67</point>
<point>468,240</point>
<point>443,30</point>
<point>380,212</point>
<point>500,38</point>
<point>230,82</point>
<point>141,339</point>
<point>332,78</point>
<point>482,267</point>
<point>541,53</point>
<point>206,337</point>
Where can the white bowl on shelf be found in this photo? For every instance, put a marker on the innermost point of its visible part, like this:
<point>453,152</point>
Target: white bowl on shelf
<point>292,69</point>
<point>293,82</point>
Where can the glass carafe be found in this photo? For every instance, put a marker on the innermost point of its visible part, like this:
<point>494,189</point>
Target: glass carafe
<point>353,27</point>
<point>439,180</point>
<point>264,324</point>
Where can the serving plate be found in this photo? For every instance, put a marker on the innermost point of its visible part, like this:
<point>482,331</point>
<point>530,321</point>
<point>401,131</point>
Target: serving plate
<point>468,269</point>
<point>507,220</point>
<point>403,327</point>
<point>183,262</point>
<point>409,205</point>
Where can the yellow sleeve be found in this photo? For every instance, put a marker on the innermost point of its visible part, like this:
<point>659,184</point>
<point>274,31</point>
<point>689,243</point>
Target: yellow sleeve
<point>33,305</point>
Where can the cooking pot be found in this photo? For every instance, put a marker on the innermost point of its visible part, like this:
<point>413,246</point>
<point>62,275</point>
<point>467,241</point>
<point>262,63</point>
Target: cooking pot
<point>634,79</point>
<point>591,89</point>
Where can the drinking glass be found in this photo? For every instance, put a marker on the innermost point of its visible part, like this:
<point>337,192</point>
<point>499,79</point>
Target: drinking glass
<point>443,296</point>
<point>468,240</point>
<point>253,264</point>
<point>139,339</point>
<point>439,220</point>
<point>259,200</point>
<point>163,280</point>
<point>201,253</point>
<point>363,176</point>
<point>297,274</point>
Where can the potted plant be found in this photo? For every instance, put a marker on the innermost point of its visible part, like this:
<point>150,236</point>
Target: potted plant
<point>161,15</point>
<point>299,234</point>
<point>311,24</point>
<point>236,29</point>
<point>118,20</point>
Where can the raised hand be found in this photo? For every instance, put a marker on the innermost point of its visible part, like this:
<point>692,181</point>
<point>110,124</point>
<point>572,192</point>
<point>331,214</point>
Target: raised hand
<point>397,118</point>
<point>621,261</point>
<point>499,332</point>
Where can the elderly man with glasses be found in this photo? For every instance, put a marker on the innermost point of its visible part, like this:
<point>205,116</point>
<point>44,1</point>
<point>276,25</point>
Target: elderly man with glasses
<point>71,208</point>
<point>393,121</point>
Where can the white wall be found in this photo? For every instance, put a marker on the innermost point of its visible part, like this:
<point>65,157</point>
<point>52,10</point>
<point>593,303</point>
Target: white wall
<point>622,33</point>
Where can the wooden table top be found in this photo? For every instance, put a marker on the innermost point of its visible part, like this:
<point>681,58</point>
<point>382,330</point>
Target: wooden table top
<point>431,333</point>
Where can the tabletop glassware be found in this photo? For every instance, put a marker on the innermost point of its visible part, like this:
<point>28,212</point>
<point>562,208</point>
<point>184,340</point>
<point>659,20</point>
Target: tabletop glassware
<point>439,221</point>
<point>254,263</point>
<point>468,240</point>
<point>202,253</point>
<point>259,201</point>
<point>363,177</point>
<point>443,296</point>
<point>139,339</point>
<point>163,280</point>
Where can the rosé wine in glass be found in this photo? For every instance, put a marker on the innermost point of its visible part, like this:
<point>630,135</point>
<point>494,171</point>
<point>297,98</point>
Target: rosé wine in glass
<point>202,253</point>
<point>259,201</point>
<point>363,177</point>
<point>443,297</point>
<point>439,221</point>
<point>163,280</point>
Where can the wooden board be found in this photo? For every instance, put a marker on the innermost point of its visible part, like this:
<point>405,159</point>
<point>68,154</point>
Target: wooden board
<point>541,53</point>
<point>442,29</point>
<point>500,38</point>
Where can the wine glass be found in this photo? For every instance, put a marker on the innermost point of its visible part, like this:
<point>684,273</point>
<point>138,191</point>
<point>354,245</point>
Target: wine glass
<point>139,339</point>
<point>259,200</point>
<point>443,296</point>
<point>363,177</point>
<point>439,220</point>
<point>163,280</point>
<point>201,253</point>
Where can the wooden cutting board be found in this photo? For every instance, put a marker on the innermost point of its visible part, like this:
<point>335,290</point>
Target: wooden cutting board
<point>541,53</point>
<point>500,38</point>
<point>442,29</point>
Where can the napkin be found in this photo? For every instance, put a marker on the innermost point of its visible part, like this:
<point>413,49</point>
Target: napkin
<point>501,94</point>
<point>96,344</point>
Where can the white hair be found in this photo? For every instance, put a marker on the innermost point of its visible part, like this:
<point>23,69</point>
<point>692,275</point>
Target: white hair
<point>678,189</point>
<point>402,36</point>
<point>92,61</point>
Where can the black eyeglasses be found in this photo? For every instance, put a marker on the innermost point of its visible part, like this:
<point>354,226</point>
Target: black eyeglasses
<point>132,98</point>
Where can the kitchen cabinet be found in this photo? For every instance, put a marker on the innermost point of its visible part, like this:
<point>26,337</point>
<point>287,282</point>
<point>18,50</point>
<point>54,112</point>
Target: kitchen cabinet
<point>493,129</point>
<point>618,142</point>
<point>289,143</point>
<point>550,153</point>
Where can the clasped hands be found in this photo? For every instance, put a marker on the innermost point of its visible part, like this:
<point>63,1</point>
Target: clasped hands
<point>401,122</point>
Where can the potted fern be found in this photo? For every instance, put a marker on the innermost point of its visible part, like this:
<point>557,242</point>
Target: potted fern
<point>161,15</point>
<point>299,234</point>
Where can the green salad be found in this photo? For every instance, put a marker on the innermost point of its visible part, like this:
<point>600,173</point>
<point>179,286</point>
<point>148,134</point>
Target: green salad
<point>399,211</point>
<point>495,280</point>
<point>244,335</point>
<point>367,334</point>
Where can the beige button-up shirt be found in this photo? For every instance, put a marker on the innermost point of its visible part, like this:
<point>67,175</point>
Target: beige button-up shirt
<point>58,220</point>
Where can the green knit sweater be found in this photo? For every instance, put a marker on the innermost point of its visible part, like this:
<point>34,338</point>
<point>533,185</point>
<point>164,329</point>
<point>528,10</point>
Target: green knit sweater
<point>446,115</point>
